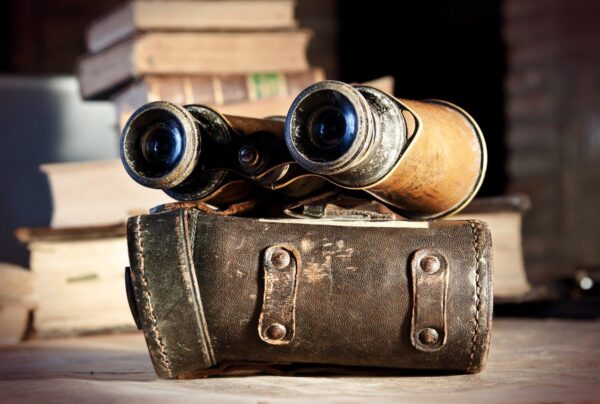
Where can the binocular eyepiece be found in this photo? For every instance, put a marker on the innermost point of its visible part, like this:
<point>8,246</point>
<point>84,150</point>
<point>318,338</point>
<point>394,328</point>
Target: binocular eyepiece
<point>425,158</point>
<point>323,128</point>
<point>160,145</point>
<point>194,153</point>
<point>335,129</point>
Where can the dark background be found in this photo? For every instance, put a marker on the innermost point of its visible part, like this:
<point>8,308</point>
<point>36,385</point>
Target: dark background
<point>449,50</point>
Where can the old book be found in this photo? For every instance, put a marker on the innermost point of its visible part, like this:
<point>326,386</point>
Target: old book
<point>504,217</point>
<point>168,15</point>
<point>384,83</point>
<point>280,105</point>
<point>211,90</point>
<point>96,193</point>
<point>274,106</point>
<point>208,53</point>
<point>17,300</point>
<point>79,278</point>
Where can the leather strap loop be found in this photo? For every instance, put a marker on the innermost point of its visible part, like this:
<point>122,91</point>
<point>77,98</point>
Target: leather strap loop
<point>429,270</point>
<point>276,324</point>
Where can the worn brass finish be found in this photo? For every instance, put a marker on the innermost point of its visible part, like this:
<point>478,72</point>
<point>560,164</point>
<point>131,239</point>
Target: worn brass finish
<point>442,167</point>
<point>426,158</point>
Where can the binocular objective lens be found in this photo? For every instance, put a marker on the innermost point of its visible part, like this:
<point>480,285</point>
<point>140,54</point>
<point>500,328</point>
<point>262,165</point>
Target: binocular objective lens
<point>328,127</point>
<point>162,145</point>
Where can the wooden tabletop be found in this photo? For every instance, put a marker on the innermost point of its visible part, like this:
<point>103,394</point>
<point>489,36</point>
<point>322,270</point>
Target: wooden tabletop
<point>530,361</point>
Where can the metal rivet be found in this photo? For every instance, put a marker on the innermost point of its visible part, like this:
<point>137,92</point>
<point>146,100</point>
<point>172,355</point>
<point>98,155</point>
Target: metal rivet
<point>428,336</point>
<point>430,264</point>
<point>280,258</point>
<point>276,331</point>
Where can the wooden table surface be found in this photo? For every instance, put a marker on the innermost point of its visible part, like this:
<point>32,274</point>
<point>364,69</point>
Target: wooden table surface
<point>530,361</point>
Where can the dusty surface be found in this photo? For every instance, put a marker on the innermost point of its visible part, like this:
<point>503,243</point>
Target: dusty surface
<point>530,360</point>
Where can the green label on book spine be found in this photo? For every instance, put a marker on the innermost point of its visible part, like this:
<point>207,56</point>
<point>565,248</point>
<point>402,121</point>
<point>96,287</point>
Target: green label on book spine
<point>265,85</point>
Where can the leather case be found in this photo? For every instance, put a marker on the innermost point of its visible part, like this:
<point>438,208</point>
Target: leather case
<point>211,290</point>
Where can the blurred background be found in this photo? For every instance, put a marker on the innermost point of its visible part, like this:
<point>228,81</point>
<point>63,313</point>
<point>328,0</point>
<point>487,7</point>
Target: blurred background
<point>527,70</point>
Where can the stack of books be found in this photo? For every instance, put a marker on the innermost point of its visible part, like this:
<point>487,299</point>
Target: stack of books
<point>78,279</point>
<point>17,302</point>
<point>215,52</point>
<point>246,57</point>
<point>79,261</point>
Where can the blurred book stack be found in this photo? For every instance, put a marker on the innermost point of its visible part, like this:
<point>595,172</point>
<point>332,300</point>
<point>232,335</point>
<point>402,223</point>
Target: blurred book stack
<point>78,262</point>
<point>244,57</point>
<point>247,54</point>
<point>17,301</point>
<point>78,278</point>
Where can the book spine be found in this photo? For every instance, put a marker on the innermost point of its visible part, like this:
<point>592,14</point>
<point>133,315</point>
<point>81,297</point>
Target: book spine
<point>215,90</point>
<point>212,90</point>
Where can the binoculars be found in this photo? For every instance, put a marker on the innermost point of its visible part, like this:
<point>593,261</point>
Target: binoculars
<point>426,159</point>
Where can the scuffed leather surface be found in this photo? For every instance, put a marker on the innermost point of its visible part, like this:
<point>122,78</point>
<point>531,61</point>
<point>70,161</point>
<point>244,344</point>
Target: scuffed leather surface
<point>167,295</point>
<point>353,303</point>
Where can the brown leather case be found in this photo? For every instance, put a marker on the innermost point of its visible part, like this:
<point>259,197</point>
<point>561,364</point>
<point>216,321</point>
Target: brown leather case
<point>208,291</point>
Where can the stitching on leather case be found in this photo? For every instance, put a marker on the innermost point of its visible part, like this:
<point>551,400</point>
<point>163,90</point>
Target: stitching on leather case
<point>189,231</point>
<point>476,229</point>
<point>146,293</point>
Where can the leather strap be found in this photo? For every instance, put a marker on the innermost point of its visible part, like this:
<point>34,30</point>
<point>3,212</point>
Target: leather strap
<point>429,270</point>
<point>276,324</point>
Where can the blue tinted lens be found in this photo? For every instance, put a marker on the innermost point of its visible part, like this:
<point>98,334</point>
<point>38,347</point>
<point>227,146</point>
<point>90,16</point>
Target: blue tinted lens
<point>329,127</point>
<point>162,146</point>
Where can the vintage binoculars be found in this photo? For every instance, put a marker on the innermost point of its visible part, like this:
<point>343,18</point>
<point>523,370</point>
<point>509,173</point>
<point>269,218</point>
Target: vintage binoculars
<point>427,159</point>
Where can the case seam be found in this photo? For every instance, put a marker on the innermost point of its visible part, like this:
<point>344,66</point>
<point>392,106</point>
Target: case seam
<point>146,293</point>
<point>188,233</point>
<point>475,228</point>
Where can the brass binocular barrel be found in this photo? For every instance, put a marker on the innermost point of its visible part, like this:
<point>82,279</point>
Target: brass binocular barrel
<point>426,158</point>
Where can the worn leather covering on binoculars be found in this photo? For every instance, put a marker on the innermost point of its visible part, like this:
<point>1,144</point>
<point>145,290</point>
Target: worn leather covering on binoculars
<point>211,291</point>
